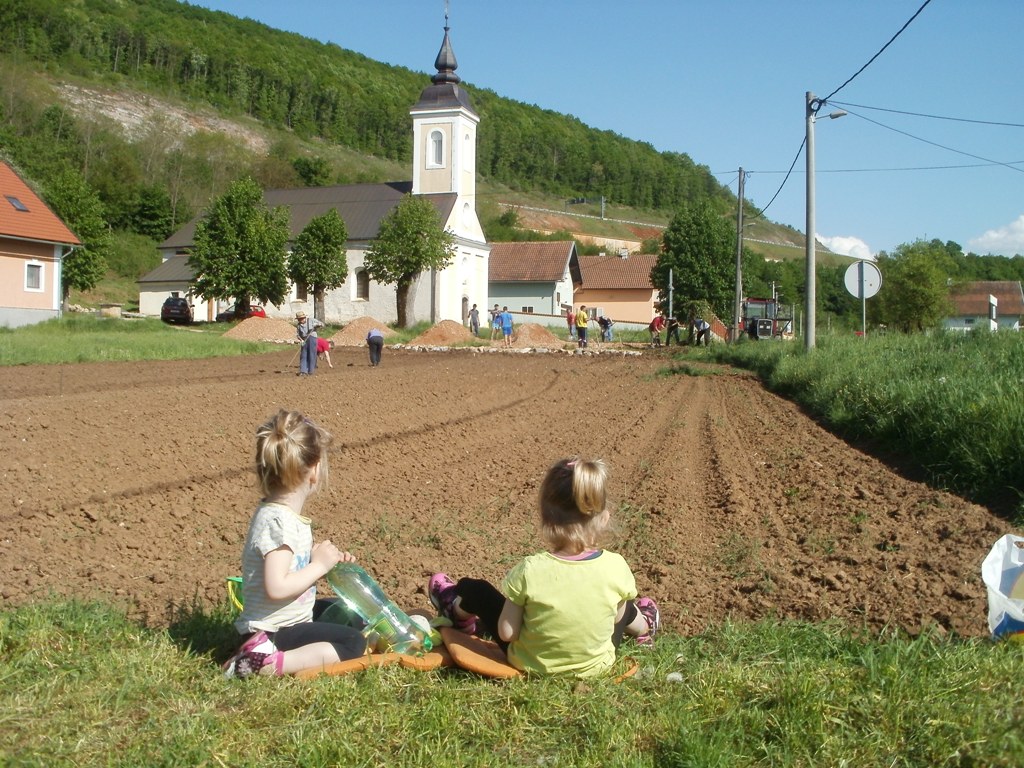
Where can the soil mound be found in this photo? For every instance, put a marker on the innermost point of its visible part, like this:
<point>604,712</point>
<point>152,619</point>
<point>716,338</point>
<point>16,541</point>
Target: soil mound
<point>444,333</point>
<point>533,335</point>
<point>354,334</point>
<point>263,329</point>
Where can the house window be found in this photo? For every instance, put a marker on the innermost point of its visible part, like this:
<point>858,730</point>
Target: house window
<point>968,321</point>
<point>301,292</point>
<point>16,203</point>
<point>436,154</point>
<point>34,277</point>
<point>362,285</point>
<point>528,310</point>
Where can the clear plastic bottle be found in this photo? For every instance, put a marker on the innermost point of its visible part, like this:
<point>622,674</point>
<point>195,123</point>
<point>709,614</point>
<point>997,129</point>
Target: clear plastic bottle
<point>388,627</point>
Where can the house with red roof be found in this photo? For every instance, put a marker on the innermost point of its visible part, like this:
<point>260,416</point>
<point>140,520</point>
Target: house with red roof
<point>33,244</point>
<point>988,305</point>
<point>531,278</point>
<point>618,286</point>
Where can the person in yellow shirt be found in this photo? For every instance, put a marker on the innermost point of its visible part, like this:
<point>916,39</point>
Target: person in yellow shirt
<point>582,318</point>
<point>565,610</point>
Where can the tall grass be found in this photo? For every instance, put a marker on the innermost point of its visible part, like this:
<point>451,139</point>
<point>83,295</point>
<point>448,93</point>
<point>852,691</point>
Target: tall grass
<point>91,339</point>
<point>951,401</point>
<point>82,685</point>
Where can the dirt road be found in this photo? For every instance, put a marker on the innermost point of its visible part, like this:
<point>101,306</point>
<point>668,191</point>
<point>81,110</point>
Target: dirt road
<point>133,483</point>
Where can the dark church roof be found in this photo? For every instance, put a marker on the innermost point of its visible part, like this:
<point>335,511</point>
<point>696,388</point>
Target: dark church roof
<point>361,207</point>
<point>445,90</point>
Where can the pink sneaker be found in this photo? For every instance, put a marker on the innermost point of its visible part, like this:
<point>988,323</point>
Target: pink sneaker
<point>649,610</point>
<point>255,653</point>
<point>441,590</point>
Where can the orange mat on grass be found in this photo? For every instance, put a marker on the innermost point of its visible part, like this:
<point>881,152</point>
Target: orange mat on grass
<point>439,657</point>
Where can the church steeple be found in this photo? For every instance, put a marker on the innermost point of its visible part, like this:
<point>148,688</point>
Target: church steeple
<point>445,90</point>
<point>445,63</point>
<point>444,136</point>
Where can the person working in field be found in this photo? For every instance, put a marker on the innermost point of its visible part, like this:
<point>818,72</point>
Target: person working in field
<point>323,350</point>
<point>565,610</point>
<point>305,329</point>
<point>582,320</point>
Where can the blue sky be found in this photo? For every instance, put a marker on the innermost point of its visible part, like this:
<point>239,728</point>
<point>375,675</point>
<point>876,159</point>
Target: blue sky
<point>724,82</point>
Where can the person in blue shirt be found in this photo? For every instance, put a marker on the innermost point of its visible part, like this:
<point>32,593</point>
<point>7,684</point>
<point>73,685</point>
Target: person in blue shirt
<point>506,326</point>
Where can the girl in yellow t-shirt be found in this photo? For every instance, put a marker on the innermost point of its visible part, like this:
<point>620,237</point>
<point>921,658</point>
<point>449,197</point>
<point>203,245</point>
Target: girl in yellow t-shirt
<point>565,610</point>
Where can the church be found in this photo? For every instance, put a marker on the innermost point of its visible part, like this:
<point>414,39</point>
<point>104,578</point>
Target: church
<point>444,126</point>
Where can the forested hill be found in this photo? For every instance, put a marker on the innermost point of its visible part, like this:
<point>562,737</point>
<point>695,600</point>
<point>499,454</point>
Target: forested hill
<point>317,90</point>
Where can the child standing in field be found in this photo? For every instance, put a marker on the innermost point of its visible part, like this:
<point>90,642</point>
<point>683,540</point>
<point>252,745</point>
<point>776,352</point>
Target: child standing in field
<point>563,611</point>
<point>280,563</point>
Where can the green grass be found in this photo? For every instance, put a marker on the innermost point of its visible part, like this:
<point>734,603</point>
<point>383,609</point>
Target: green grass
<point>91,339</point>
<point>82,685</point>
<point>951,401</point>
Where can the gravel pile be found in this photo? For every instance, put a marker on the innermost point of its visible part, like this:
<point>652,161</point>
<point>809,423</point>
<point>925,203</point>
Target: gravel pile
<point>263,329</point>
<point>533,335</point>
<point>354,334</point>
<point>443,334</point>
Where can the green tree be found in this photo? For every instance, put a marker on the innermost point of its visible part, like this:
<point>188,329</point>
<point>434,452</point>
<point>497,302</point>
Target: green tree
<point>239,248</point>
<point>314,171</point>
<point>411,239</point>
<point>699,247</point>
<point>78,205</point>
<point>318,258</point>
<point>915,289</point>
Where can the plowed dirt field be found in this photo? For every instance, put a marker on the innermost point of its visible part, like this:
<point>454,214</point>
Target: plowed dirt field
<point>132,483</point>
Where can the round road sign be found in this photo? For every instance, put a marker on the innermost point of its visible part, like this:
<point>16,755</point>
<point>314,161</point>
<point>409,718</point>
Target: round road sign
<point>863,279</point>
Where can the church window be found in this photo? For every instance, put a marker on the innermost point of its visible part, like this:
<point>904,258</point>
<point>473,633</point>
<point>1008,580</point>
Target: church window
<point>362,285</point>
<point>436,156</point>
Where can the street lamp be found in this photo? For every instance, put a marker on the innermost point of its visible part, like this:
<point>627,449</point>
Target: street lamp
<point>813,104</point>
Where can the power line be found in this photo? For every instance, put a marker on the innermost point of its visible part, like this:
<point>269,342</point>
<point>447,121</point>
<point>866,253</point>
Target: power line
<point>936,144</point>
<point>905,168</point>
<point>850,79</point>
<point>933,117</point>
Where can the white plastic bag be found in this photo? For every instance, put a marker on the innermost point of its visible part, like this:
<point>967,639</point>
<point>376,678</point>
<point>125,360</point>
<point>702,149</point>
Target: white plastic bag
<point>1003,574</point>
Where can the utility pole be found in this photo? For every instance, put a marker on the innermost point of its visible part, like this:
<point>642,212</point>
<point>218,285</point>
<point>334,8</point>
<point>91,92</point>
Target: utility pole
<point>737,314</point>
<point>810,275</point>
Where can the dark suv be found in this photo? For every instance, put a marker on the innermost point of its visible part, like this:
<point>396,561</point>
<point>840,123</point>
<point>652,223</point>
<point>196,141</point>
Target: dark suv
<point>176,310</point>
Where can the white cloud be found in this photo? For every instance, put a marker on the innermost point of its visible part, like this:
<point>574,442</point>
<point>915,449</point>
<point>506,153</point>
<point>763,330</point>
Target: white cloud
<point>1005,241</point>
<point>847,246</point>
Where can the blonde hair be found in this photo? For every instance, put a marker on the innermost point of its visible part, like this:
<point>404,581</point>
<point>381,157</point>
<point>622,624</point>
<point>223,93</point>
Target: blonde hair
<point>572,504</point>
<point>288,445</point>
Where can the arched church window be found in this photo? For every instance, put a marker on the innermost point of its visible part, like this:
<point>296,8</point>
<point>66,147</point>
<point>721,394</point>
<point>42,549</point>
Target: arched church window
<point>436,150</point>
<point>362,285</point>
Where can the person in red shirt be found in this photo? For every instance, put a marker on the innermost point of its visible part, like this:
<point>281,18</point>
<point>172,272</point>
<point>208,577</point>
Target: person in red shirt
<point>656,327</point>
<point>570,318</point>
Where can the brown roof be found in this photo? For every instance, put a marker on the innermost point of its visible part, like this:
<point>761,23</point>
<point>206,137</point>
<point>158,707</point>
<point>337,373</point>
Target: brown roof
<point>25,217</point>
<point>540,262</point>
<point>361,207</point>
<point>971,299</point>
<point>609,272</point>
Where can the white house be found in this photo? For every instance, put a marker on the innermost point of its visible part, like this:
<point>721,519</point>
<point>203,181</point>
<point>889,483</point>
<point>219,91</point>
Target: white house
<point>973,306</point>
<point>444,171</point>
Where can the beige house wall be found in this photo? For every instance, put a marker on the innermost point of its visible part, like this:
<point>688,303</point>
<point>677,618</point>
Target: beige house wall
<point>14,255</point>
<point>621,305</point>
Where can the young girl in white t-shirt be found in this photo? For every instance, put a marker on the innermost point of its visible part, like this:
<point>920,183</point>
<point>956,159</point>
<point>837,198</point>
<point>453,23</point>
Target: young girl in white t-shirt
<point>280,563</point>
<point>565,610</point>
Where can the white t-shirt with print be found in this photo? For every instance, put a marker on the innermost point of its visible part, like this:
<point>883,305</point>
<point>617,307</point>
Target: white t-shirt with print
<point>273,526</point>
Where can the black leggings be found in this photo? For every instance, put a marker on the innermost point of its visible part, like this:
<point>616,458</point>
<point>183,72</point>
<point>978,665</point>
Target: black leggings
<point>348,642</point>
<point>483,599</point>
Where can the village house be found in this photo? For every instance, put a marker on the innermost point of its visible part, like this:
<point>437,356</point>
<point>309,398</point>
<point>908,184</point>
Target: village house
<point>33,244</point>
<point>987,305</point>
